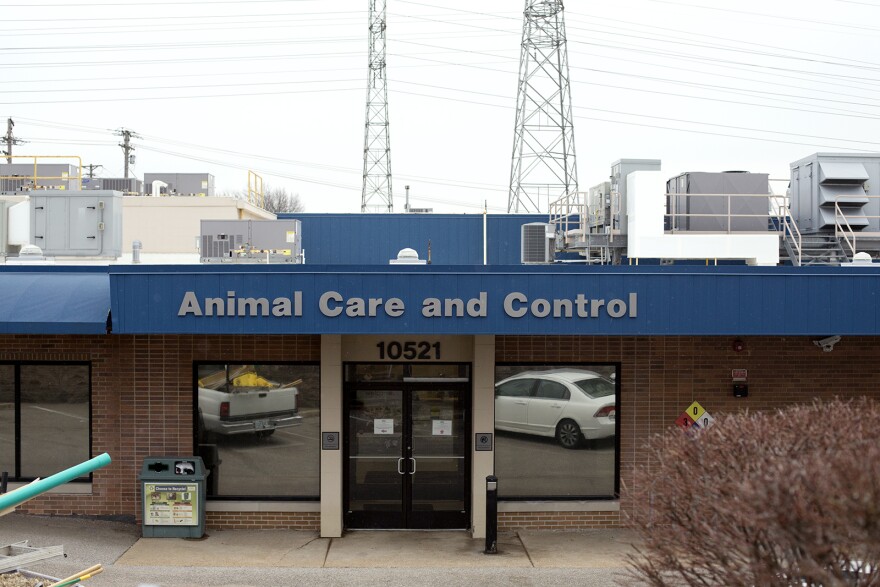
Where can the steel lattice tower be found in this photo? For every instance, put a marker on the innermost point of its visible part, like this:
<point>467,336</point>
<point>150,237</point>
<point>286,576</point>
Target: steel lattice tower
<point>377,148</point>
<point>543,168</point>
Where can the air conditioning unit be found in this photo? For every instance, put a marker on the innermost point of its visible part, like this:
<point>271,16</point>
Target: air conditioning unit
<point>247,241</point>
<point>538,243</point>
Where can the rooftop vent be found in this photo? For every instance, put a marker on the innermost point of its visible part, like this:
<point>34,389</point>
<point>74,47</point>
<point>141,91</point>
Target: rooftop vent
<point>407,257</point>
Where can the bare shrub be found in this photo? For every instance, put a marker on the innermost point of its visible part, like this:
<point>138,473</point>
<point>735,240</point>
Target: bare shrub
<point>784,498</point>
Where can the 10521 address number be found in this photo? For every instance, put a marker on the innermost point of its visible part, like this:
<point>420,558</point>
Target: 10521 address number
<point>409,350</point>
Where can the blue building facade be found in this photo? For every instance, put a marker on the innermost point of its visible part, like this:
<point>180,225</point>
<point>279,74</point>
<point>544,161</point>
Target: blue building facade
<point>348,393</point>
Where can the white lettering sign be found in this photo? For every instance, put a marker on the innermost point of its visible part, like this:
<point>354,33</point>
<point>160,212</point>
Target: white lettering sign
<point>333,304</point>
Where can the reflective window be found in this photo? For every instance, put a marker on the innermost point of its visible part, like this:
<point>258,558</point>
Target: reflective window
<point>551,390</point>
<point>44,418</point>
<point>515,388</point>
<point>258,429</point>
<point>556,431</point>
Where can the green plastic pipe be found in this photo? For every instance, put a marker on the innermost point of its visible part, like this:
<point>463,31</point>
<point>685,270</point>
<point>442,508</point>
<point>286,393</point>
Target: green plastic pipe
<point>32,490</point>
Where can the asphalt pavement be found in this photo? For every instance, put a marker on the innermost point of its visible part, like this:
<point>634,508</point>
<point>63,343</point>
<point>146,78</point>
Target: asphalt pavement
<point>238,558</point>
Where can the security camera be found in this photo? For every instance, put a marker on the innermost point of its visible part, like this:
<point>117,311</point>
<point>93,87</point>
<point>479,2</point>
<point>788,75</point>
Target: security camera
<point>827,344</point>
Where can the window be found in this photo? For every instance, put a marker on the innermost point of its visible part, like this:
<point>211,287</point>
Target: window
<point>258,429</point>
<point>556,431</point>
<point>517,388</point>
<point>41,403</point>
<point>551,390</point>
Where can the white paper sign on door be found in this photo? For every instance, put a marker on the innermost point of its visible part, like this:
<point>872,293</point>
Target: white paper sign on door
<point>383,426</point>
<point>442,427</point>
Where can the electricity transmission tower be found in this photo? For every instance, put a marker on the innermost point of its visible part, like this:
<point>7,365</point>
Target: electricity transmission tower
<point>376,195</point>
<point>543,168</point>
<point>126,145</point>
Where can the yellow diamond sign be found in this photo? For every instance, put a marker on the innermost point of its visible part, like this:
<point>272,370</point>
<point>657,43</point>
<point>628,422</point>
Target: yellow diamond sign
<point>695,410</point>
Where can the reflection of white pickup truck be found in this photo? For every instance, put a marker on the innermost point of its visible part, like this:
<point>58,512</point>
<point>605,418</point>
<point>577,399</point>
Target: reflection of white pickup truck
<point>239,401</point>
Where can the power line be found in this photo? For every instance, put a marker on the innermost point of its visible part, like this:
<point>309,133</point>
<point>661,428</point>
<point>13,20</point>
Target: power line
<point>152,28</point>
<point>319,166</point>
<point>310,180</point>
<point>79,5</point>
<point>702,123</point>
<point>433,96</point>
<point>787,17</point>
<point>234,74</point>
<point>147,98</point>
<point>177,60</point>
<point>48,50</point>
<point>142,88</point>
<point>652,27</point>
<point>198,18</point>
<point>854,114</point>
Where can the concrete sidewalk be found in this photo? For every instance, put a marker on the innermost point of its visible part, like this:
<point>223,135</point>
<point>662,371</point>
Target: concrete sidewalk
<point>281,557</point>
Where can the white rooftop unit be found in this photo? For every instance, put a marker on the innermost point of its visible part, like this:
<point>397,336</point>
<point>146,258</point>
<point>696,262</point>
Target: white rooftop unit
<point>77,223</point>
<point>820,181</point>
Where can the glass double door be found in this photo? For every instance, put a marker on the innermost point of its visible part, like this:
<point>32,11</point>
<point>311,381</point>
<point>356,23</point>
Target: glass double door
<point>407,455</point>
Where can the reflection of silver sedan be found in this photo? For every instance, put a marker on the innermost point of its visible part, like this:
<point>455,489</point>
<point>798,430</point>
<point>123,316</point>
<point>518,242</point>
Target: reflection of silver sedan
<point>570,404</point>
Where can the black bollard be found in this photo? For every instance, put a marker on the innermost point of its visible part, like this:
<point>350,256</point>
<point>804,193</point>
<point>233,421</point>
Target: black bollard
<point>491,515</point>
<point>3,478</point>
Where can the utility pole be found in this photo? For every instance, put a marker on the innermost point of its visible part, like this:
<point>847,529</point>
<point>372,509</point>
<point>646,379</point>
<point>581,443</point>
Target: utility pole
<point>376,196</point>
<point>10,140</point>
<point>126,145</point>
<point>92,167</point>
<point>543,167</point>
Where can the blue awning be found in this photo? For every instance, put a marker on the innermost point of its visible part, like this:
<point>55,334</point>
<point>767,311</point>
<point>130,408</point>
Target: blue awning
<point>60,302</point>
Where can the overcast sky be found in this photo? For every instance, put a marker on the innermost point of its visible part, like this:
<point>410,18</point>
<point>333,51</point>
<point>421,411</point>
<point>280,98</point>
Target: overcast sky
<point>279,87</point>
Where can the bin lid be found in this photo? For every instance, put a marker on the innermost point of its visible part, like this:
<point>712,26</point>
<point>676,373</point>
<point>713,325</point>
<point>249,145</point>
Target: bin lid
<point>180,468</point>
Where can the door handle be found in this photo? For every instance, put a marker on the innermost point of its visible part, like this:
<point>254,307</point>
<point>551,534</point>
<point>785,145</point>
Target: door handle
<point>399,466</point>
<point>522,403</point>
<point>413,467</point>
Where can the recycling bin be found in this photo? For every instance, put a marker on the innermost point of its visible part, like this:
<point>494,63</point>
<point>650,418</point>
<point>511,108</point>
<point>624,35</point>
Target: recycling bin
<point>173,494</point>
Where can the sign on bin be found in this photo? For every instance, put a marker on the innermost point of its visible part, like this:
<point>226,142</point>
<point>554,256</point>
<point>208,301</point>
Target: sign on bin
<point>171,505</point>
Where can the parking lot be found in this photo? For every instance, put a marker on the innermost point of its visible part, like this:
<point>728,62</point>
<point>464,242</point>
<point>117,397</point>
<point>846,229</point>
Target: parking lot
<point>552,470</point>
<point>286,463</point>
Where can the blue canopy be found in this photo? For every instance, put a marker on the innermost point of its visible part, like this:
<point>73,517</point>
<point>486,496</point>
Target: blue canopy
<point>55,301</point>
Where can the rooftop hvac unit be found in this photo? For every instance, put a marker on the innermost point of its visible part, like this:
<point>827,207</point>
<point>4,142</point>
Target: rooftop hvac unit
<point>538,243</point>
<point>827,188</point>
<point>718,202</point>
<point>249,241</point>
<point>77,223</point>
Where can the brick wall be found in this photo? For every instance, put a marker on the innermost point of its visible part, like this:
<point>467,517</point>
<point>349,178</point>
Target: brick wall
<point>661,376</point>
<point>142,402</point>
<point>142,396</point>
<point>557,520</point>
<point>264,520</point>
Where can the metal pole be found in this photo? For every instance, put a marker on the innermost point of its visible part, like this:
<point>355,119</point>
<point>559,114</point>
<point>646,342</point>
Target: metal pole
<point>9,140</point>
<point>491,515</point>
<point>4,476</point>
<point>126,148</point>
